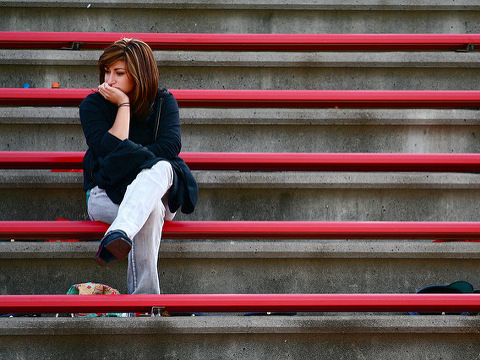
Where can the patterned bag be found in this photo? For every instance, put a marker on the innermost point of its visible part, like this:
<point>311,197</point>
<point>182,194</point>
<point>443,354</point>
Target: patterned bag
<point>93,289</point>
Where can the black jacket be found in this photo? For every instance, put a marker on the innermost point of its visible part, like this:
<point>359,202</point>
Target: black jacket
<point>113,164</point>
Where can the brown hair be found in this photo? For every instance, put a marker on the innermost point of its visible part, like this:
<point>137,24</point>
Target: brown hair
<point>141,66</point>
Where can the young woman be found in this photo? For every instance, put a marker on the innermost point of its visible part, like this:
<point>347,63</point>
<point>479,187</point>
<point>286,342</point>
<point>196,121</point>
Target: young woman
<point>133,176</point>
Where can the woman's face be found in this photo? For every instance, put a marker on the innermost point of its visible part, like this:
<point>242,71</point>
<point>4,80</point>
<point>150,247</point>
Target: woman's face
<point>116,75</point>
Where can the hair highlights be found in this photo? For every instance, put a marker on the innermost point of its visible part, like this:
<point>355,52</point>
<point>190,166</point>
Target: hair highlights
<point>141,66</point>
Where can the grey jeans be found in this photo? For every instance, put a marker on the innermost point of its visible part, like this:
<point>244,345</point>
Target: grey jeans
<point>141,215</point>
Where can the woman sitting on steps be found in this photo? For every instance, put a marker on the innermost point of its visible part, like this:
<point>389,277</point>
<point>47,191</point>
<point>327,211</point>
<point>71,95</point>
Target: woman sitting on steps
<point>133,176</point>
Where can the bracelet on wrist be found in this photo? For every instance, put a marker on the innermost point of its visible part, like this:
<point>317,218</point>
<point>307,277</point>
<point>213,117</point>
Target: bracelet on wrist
<point>124,104</point>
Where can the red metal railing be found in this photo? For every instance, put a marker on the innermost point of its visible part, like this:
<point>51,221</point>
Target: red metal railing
<point>267,42</point>
<point>241,303</point>
<point>266,98</point>
<point>253,230</point>
<point>268,161</point>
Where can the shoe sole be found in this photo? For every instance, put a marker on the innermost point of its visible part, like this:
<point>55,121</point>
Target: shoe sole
<point>119,248</point>
<point>115,250</point>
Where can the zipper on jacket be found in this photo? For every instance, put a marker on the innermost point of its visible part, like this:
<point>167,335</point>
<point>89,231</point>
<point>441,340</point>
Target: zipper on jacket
<point>158,121</point>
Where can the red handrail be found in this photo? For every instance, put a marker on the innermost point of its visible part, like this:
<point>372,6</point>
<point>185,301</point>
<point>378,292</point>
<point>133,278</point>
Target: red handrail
<point>333,161</point>
<point>266,98</point>
<point>41,159</point>
<point>266,42</point>
<point>253,230</point>
<point>241,303</point>
<point>268,161</point>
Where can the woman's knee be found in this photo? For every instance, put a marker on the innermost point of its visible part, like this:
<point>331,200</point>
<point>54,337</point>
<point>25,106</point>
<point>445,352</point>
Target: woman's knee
<point>100,207</point>
<point>165,170</point>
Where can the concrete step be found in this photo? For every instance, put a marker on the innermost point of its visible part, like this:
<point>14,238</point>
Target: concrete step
<point>335,196</point>
<point>249,266</point>
<point>282,59</point>
<point>243,16</point>
<point>442,5</point>
<point>268,130</point>
<point>221,337</point>
<point>257,70</point>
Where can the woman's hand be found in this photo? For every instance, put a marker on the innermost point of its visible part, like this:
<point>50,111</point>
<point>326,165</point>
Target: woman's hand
<point>112,94</point>
<point>121,126</point>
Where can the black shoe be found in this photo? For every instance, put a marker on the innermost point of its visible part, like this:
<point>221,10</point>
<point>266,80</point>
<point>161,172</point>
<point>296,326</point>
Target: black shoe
<point>114,246</point>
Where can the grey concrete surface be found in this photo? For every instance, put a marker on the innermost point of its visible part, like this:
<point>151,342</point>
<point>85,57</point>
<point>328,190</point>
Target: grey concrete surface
<point>257,249</point>
<point>283,59</point>
<point>341,324</point>
<point>439,5</point>
<point>36,179</point>
<point>240,275</point>
<point>268,130</point>
<point>296,266</point>
<point>258,70</point>
<point>337,19</point>
<point>305,196</point>
<point>268,138</point>
<point>220,337</point>
<point>317,117</point>
<point>339,204</point>
<point>341,139</point>
<point>268,78</point>
<point>53,137</point>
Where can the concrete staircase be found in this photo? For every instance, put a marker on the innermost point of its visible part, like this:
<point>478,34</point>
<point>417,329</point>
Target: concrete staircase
<point>255,266</point>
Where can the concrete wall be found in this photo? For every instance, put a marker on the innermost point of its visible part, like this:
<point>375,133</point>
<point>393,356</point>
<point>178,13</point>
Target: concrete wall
<point>258,70</point>
<point>268,130</point>
<point>253,266</point>
<point>296,17</point>
<point>269,196</point>
<point>219,337</point>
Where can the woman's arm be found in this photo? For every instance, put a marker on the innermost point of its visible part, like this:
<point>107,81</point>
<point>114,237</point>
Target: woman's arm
<point>121,126</point>
<point>169,139</point>
<point>97,117</point>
